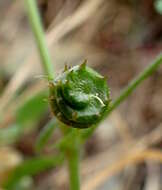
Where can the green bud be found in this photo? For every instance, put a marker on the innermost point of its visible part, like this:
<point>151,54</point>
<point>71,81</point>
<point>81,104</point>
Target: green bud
<point>80,96</point>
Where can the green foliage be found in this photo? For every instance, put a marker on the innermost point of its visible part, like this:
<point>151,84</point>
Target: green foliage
<point>31,111</point>
<point>27,116</point>
<point>158,6</point>
<point>31,167</point>
<point>79,96</point>
<point>45,134</point>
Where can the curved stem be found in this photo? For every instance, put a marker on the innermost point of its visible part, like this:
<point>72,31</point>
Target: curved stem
<point>37,29</point>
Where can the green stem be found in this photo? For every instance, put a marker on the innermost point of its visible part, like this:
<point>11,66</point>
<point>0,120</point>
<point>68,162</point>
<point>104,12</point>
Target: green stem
<point>134,83</point>
<point>73,152</point>
<point>71,146</point>
<point>73,165</point>
<point>126,92</point>
<point>37,28</point>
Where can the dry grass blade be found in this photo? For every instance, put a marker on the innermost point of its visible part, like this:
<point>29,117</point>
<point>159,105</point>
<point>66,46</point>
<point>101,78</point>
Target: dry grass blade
<point>132,156</point>
<point>154,137</point>
<point>130,159</point>
<point>86,10</point>
<point>122,127</point>
<point>15,83</point>
<point>153,176</point>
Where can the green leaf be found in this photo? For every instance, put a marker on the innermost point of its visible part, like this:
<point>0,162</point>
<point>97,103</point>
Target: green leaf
<point>27,116</point>
<point>32,110</point>
<point>31,167</point>
<point>45,134</point>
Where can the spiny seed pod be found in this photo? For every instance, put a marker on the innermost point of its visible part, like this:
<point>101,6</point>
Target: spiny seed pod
<point>79,96</point>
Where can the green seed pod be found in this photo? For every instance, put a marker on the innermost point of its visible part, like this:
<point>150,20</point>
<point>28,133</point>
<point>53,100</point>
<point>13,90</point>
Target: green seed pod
<point>79,96</point>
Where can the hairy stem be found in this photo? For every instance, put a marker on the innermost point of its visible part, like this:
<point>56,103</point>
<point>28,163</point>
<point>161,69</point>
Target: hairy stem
<point>37,29</point>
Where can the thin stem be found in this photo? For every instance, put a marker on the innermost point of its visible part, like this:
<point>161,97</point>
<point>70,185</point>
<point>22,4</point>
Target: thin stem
<point>73,152</point>
<point>73,165</point>
<point>37,28</point>
<point>126,92</point>
<point>134,83</point>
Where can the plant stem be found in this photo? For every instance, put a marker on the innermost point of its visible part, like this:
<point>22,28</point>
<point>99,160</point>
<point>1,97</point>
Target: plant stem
<point>126,92</point>
<point>37,29</point>
<point>71,146</point>
<point>134,83</point>
<point>73,151</point>
<point>73,165</point>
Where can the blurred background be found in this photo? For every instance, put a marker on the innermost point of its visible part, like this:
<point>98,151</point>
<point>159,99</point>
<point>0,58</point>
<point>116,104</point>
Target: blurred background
<point>119,38</point>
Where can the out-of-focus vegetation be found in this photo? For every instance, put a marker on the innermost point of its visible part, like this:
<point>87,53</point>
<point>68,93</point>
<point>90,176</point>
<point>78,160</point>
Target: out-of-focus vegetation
<point>119,38</point>
<point>158,6</point>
